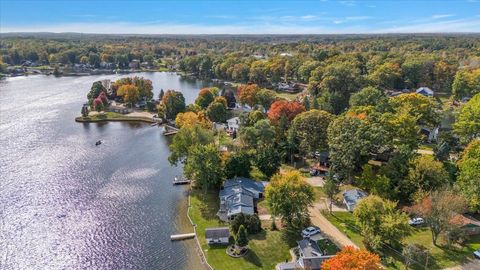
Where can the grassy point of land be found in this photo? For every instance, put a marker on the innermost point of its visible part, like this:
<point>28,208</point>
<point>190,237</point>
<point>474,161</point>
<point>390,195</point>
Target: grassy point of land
<point>267,248</point>
<point>112,116</point>
<point>441,257</point>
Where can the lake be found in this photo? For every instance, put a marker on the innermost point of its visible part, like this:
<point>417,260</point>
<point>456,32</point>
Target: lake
<point>68,204</point>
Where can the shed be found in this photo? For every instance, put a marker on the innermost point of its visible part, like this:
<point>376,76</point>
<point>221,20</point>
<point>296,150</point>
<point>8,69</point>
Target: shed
<point>218,235</point>
<point>425,91</point>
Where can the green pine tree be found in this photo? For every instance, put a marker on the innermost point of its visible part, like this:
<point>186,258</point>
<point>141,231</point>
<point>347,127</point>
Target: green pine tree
<point>241,239</point>
<point>306,103</point>
<point>316,106</point>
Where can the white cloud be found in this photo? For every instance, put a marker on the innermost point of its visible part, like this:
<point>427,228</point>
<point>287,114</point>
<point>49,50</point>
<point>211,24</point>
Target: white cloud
<point>357,18</point>
<point>348,3</point>
<point>441,16</point>
<point>259,27</point>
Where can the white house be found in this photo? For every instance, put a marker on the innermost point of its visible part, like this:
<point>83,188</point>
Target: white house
<point>233,124</point>
<point>218,235</point>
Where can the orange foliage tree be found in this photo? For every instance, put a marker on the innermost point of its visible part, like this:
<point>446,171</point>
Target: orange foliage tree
<point>189,119</point>
<point>351,258</point>
<point>248,94</point>
<point>280,108</point>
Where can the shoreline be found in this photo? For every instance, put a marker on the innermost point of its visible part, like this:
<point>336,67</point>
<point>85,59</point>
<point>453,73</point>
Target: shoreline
<point>82,119</point>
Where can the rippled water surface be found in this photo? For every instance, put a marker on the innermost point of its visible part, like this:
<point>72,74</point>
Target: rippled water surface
<point>67,204</point>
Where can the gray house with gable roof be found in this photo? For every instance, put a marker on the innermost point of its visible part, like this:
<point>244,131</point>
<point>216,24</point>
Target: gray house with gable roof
<point>239,195</point>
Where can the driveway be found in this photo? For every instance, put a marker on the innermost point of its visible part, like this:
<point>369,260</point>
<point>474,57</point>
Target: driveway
<point>328,229</point>
<point>316,181</point>
<point>473,265</point>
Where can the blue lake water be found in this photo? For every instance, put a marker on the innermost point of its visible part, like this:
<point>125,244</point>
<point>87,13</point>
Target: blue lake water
<point>68,204</point>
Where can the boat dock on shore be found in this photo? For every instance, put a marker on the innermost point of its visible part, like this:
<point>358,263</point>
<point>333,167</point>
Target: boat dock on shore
<point>177,237</point>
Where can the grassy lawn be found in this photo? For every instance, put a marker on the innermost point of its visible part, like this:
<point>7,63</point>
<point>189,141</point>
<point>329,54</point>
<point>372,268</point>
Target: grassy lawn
<point>442,257</point>
<point>288,96</point>
<point>267,248</point>
<point>111,116</point>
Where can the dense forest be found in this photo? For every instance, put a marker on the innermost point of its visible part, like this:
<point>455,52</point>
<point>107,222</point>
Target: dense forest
<point>444,63</point>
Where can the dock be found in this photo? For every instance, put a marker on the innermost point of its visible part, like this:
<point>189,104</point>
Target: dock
<point>170,130</point>
<point>177,237</point>
<point>182,181</point>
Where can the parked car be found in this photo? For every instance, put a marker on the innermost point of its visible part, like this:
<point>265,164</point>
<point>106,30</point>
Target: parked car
<point>417,221</point>
<point>307,232</point>
<point>476,254</point>
<point>313,172</point>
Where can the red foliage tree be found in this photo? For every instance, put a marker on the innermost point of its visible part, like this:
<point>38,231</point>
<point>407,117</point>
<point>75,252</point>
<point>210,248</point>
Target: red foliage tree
<point>351,258</point>
<point>280,108</point>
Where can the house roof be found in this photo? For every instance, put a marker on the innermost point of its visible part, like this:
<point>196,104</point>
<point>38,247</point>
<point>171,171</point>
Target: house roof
<point>218,232</point>
<point>425,90</point>
<point>465,221</point>
<point>236,120</point>
<point>246,183</point>
<point>352,196</point>
<point>313,263</point>
<point>309,248</point>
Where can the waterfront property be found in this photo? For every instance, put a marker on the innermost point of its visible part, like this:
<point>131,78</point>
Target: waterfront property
<point>219,235</point>
<point>239,195</point>
<point>352,197</point>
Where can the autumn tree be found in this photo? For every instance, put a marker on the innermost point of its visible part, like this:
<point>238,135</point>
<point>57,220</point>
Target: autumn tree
<point>284,108</point>
<point>466,83</point>
<point>351,258</point>
<point>387,75</point>
<point>95,90</point>
<point>380,222</point>
<point>173,103</point>
<point>247,94</point>
<point>259,135</point>
<point>129,93</point>
<point>468,180</point>
<point>189,119</point>
<point>289,197</point>
<point>467,124</point>
<point>311,130</point>
<point>204,165</point>
<point>424,109</point>
<point>438,210</point>
<point>205,97</point>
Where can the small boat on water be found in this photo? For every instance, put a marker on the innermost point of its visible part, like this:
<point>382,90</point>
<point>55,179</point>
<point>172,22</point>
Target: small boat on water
<point>98,143</point>
<point>180,181</point>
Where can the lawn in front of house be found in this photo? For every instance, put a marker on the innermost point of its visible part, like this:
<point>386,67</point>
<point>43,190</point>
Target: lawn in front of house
<point>441,257</point>
<point>267,248</point>
<point>288,96</point>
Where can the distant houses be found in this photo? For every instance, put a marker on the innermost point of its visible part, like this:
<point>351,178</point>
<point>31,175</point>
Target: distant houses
<point>239,195</point>
<point>352,197</point>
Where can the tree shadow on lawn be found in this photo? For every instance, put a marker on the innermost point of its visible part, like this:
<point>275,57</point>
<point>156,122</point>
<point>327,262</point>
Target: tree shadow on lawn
<point>253,258</point>
<point>209,203</point>
<point>262,235</point>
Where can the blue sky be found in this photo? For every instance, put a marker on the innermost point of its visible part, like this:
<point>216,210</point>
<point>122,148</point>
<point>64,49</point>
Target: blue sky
<point>240,17</point>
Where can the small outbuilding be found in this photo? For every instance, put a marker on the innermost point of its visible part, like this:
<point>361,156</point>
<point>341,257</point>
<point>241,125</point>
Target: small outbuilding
<point>218,235</point>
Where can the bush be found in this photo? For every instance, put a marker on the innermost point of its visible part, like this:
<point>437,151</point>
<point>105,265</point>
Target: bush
<point>250,222</point>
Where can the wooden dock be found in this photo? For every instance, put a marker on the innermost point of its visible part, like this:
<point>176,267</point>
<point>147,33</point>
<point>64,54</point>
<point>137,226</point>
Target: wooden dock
<point>169,130</point>
<point>177,237</point>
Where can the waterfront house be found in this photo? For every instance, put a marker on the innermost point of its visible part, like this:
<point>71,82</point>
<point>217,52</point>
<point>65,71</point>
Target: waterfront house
<point>310,257</point>
<point>425,91</point>
<point>239,195</point>
<point>233,124</point>
<point>352,197</point>
<point>134,64</point>
<point>218,235</point>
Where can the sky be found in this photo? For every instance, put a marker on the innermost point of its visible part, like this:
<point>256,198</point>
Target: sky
<point>240,17</point>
